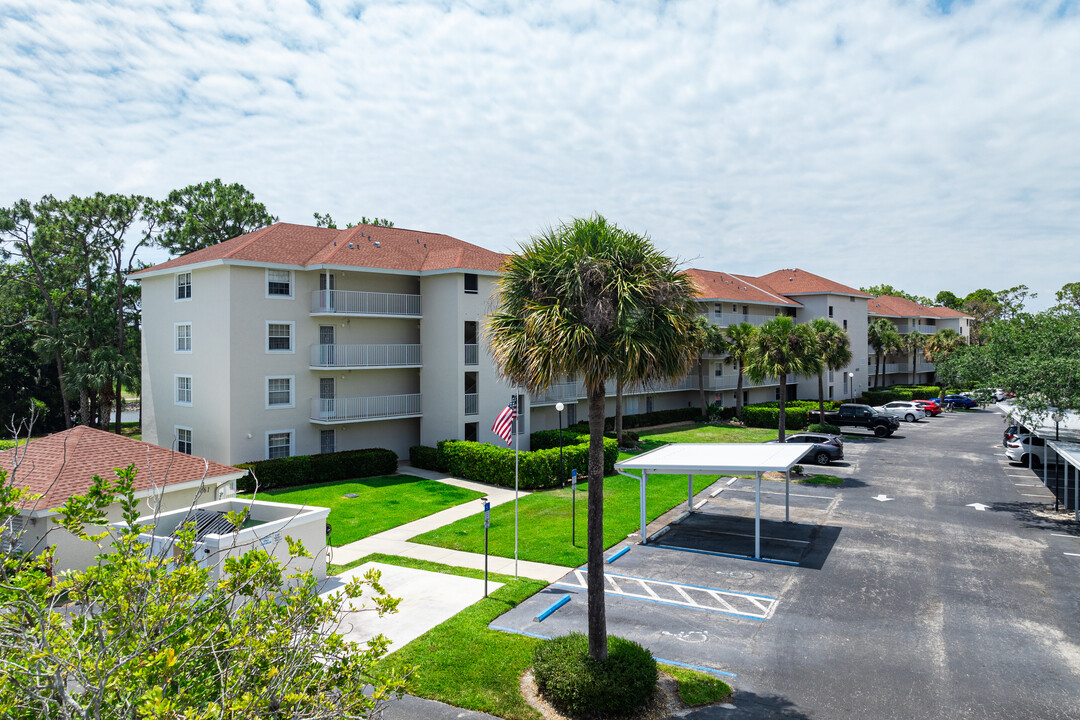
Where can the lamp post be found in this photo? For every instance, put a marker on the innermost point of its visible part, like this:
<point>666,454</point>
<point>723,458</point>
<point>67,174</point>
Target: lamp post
<point>559,407</point>
<point>851,384</point>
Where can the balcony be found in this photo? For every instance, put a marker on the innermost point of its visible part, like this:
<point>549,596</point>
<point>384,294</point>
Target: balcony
<point>915,327</point>
<point>369,304</point>
<point>568,392</point>
<point>472,354</point>
<point>349,357</point>
<point>895,368</point>
<point>326,411</point>
<point>472,403</point>
<point>729,319</point>
<point>925,367</point>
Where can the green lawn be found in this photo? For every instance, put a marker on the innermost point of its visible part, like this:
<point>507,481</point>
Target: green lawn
<point>545,516</point>
<point>383,502</point>
<point>466,664</point>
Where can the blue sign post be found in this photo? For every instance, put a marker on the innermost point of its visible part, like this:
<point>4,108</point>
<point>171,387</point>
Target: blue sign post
<point>573,507</point>
<point>487,524</point>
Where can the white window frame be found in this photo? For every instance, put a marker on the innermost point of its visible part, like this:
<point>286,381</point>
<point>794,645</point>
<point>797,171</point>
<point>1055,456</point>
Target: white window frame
<point>176,287</point>
<point>176,337</point>
<point>292,391</point>
<point>191,439</point>
<point>176,390</point>
<point>292,285</point>
<point>292,338</point>
<point>291,432</point>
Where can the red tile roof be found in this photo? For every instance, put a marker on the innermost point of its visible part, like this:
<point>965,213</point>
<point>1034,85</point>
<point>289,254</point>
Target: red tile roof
<point>397,249</point>
<point>893,306</point>
<point>722,286</point>
<point>799,282</point>
<point>62,464</point>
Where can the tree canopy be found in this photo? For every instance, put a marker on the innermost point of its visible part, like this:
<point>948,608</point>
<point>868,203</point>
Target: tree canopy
<point>324,220</point>
<point>885,289</point>
<point>208,213</point>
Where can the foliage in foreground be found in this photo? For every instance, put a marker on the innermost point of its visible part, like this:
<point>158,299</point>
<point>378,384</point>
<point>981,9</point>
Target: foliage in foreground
<point>697,688</point>
<point>582,686</point>
<point>152,635</point>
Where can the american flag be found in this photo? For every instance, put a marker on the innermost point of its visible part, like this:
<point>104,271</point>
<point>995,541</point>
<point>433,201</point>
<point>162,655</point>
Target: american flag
<point>504,424</point>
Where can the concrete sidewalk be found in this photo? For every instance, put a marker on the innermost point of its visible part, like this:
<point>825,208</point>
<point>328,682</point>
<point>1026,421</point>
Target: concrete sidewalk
<point>395,540</point>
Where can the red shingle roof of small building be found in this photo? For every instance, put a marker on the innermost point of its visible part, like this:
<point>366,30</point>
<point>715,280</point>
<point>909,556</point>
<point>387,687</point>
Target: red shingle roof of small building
<point>63,464</point>
<point>398,249</point>
<point>893,306</point>
<point>722,286</point>
<point>799,282</point>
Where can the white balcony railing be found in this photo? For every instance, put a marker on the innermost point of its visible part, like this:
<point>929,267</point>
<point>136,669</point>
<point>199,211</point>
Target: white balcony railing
<point>728,319</point>
<point>924,329</point>
<point>925,367</point>
<point>357,302</point>
<point>472,354</point>
<point>895,367</point>
<point>560,392</point>
<point>472,403</point>
<point>358,409</point>
<point>365,356</point>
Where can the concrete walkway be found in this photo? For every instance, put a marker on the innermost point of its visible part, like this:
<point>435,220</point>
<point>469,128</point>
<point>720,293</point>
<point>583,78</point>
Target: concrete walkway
<point>395,540</point>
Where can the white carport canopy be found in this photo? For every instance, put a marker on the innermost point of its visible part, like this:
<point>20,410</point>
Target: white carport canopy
<point>716,459</point>
<point>1070,453</point>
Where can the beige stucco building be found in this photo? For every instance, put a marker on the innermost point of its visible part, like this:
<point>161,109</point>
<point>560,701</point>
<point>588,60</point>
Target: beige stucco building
<point>911,317</point>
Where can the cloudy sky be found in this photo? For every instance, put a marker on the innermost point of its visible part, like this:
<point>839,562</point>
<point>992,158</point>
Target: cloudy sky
<point>927,145</point>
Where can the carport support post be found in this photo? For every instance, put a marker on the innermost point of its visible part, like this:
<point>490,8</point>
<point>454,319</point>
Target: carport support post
<point>787,495</point>
<point>757,515</point>
<point>690,492</point>
<point>644,479</point>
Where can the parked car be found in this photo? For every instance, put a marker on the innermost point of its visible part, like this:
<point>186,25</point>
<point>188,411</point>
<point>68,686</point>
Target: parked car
<point>902,409</point>
<point>930,407</point>
<point>824,448</point>
<point>854,415</point>
<point>959,401</point>
<point>1026,449</point>
<point>1012,432</point>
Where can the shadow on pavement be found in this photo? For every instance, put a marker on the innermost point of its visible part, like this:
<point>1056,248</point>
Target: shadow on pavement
<point>750,706</point>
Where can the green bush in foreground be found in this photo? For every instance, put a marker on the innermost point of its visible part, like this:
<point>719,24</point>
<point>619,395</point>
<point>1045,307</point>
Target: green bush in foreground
<point>823,428</point>
<point>583,687</point>
<point>424,457</point>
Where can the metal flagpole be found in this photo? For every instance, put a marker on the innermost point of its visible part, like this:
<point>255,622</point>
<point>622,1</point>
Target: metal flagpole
<point>517,444</point>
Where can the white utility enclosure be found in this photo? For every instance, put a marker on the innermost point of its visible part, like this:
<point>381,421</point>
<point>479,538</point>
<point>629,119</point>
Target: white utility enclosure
<point>716,459</point>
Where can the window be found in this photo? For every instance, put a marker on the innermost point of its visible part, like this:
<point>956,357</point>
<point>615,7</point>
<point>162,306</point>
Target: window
<point>845,324</point>
<point>472,432</point>
<point>183,337</point>
<point>279,392</point>
<point>327,441</point>
<point>852,299</point>
<point>777,397</point>
<point>183,389</point>
<point>183,440</point>
<point>718,369</point>
<point>519,421</point>
<point>278,283</point>
<point>830,392</point>
<point>471,284</point>
<point>279,444</point>
<point>279,337</point>
<point>183,286</point>
<point>830,311</point>
<point>718,308</point>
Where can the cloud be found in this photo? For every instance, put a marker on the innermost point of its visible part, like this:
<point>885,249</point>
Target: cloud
<point>925,145</point>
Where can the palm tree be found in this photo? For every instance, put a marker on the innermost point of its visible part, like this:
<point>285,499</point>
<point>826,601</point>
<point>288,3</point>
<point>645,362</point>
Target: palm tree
<point>709,340</point>
<point>834,353</point>
<point>911,343</point>
<point>782,347</point>
<point>939,346</point>
<point>740,337</point>
<point>591,299</point>
<point>891,342</point>
<point>875,334</point>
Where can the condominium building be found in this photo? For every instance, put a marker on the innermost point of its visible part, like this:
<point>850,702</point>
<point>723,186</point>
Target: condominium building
<point>294,340</point>
<point>904,366</point>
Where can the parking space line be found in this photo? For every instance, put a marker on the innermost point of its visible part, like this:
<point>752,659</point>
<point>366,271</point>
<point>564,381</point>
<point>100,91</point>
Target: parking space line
<point>1033,495</point>
<point>1072,554</point>
<point>770,492</point>
<point>1073,537</point>
<point>763,537</point>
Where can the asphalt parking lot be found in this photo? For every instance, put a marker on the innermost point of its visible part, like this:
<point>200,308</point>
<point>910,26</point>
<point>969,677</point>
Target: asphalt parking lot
<point>936,582</point>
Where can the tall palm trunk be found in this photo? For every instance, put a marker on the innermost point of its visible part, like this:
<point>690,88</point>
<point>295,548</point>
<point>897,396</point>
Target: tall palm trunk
<point>618,411</point>
<point>701,386</point>
<point>738,393</point>
<point>877,369</point>
<point>598,649</point>
<point>821,396</point>
<point>913,356</point>
<point>783,404</point>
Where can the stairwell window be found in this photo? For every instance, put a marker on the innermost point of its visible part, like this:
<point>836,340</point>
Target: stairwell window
<point>327,441</point>
<point>183,390</point>
<point>845,324</point>
<point>279,283</point>
<point>279,392</point>
<point>830,311</point>
<point>183,440</point>
<point>472,284</point>
<point>279,337</point>
<point>183,337</point>
<point>183,286</point>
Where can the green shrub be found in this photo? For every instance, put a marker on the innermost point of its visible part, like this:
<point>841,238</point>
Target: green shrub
<point>768,417</point>
<point>424,457</point>
<point>309,469</point>
<point>544,439</point>
<point>900,392</point>
<point>823,428</point>
<point>537,468</point>
<point>580,686</point>
<point>658,417</point>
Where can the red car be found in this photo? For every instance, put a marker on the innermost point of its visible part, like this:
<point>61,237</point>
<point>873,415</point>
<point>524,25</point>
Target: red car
<point>930,406</point>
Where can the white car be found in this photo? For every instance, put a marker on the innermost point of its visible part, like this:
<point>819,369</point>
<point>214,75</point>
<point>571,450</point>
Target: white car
<point>902,410</point>
<point>1026,450</point>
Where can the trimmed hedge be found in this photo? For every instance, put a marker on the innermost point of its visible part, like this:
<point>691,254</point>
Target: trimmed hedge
<point>544,439</point>
<point>769,417</point>
<point>538,468</point>
<point>658,417</point>
<point>310,469</point>
<point>823,428</point>
<point>900,392</point>
<point>580,686</point>
<point>424,457</point>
